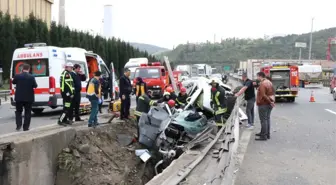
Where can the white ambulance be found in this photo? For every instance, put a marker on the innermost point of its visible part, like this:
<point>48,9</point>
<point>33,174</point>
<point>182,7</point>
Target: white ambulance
<point>47,64</point>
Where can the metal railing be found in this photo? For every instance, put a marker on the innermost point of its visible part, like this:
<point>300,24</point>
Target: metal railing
<point>5,94</point>
<point>225,144</point>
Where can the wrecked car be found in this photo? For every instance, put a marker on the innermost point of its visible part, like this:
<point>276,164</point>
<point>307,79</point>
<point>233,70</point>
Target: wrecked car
<point>168,132</point>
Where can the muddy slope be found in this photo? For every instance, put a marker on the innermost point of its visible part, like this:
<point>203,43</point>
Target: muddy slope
<point>100,157</point>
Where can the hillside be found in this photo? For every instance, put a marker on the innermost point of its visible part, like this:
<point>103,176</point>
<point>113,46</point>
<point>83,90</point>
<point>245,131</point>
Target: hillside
<point>151,49</point>
<point>234,49</point>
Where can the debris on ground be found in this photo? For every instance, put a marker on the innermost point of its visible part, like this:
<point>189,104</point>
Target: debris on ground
<point>104,155</point>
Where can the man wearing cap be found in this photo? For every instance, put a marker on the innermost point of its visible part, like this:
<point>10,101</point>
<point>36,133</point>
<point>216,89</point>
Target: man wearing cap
<point>67,92</point>
<point>77,76</point>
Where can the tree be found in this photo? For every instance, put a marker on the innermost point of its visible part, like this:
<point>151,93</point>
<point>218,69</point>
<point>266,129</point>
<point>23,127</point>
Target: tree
<point>14,33</point>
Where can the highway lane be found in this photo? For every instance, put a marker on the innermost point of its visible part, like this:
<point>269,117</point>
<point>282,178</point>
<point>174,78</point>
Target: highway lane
<point>49,116</point>
<point>302,148</point>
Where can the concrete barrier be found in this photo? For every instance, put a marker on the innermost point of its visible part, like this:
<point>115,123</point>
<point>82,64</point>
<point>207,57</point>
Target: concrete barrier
<point>30,159</point>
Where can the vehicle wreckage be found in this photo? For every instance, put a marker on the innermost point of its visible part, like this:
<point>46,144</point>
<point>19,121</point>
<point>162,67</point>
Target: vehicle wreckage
<point>167,132</point>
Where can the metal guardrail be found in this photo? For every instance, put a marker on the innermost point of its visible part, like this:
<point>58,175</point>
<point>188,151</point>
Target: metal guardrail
<point>5,94</point>
<point>224,146</point>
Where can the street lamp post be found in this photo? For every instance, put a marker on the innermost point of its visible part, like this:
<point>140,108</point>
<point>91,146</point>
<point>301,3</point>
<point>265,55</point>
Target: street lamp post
<point>311,38</point>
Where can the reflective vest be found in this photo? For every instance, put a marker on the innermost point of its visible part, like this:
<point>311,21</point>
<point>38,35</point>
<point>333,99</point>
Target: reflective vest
<point>91,91</point>
<point>143,105</point>
<point>218,99</point>
<point>140,89</point>
<point>67,84</point>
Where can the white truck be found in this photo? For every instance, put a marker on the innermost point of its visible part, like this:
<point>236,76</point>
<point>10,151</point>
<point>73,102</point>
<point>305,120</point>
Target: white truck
<point>204,69</point>
<point>310,75</point>
<point>253,67</point>
<point>134,63</point>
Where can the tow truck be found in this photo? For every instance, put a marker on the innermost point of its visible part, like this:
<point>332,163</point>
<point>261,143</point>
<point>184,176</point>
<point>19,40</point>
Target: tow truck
<point>285,79</point>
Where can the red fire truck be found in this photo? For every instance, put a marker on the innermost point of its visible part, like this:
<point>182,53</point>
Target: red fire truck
<point>285,79</point>
<point>156,77</point>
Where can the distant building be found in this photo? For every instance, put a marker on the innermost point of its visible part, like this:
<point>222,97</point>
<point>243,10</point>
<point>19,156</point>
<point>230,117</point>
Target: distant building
<point>22,8</point>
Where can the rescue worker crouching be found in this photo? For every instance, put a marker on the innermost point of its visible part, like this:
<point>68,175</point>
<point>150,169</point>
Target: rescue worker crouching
<point>218,102</point>
<point>140,88</point>
<point>143,105</point>
<point>182,98</point>
<point>166,97</point>
<point>171,91</point>
<point>67,92</point>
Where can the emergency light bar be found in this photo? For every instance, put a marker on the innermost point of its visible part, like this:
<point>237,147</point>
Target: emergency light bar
<point>30,45</point>
<point>156,64</point>
<point>143,65</point>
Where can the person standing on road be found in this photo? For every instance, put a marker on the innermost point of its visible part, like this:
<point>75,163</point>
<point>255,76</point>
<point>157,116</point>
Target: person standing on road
<point>77,76</point>
<point>67,92</point>
<point>249,92</point>
<point>125,93</point>
<point>24,97</point>
<point>93,93</point>
<point>265,102</point>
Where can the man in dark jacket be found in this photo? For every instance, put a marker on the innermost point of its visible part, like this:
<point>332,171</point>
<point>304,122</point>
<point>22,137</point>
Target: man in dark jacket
<point>77,76</point>
<point>24,97</point>
<point>125,94</point>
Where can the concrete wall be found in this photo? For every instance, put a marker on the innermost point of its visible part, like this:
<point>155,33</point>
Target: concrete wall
<point>33,159</point>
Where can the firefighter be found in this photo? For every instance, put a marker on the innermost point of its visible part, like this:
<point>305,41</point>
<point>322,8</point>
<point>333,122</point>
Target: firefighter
<point>165,98</point>
<point>182,98</point>
<point>218,102</point>
<point>140,88</point>
<point>172,105</point>
<point>143,105</point>
<point>171,92</point>
<point>67,92</point>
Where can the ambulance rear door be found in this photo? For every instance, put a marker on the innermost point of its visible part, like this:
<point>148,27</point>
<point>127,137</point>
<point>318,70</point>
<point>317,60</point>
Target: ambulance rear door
<point>38,58</point>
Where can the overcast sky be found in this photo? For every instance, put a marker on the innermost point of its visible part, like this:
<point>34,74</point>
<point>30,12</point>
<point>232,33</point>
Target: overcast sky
<point>168,23</point>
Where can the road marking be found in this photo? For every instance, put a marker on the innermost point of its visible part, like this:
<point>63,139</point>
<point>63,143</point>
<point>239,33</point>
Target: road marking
<point>332,112</point>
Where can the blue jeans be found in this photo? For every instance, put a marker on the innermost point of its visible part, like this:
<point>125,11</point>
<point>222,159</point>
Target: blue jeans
<point>94,112</point>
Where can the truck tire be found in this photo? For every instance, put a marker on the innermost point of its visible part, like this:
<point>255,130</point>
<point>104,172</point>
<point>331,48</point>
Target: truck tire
<point>37,110</point>
<point>291,99</point>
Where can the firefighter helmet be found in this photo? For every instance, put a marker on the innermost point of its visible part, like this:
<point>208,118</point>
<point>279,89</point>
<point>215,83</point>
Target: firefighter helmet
<point>171,103</point>
<point>166,94</point>
<point>169,89</point>
<point>214,80</point>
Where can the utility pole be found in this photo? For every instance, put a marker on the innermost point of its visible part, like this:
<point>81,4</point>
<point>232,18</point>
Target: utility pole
<point>311,38</point>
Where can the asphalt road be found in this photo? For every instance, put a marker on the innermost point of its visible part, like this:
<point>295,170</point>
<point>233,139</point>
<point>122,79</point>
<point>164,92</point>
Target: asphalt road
<point>302,148</point>
<point>49,116</point>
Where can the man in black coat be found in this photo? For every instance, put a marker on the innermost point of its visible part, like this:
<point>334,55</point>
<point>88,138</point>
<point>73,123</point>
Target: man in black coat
<point>77,76</point>
<point>125,94</point>
<point>24,97</point>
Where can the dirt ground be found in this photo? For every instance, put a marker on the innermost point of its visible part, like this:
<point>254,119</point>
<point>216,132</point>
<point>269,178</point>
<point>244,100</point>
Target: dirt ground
<point>100,157</point>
